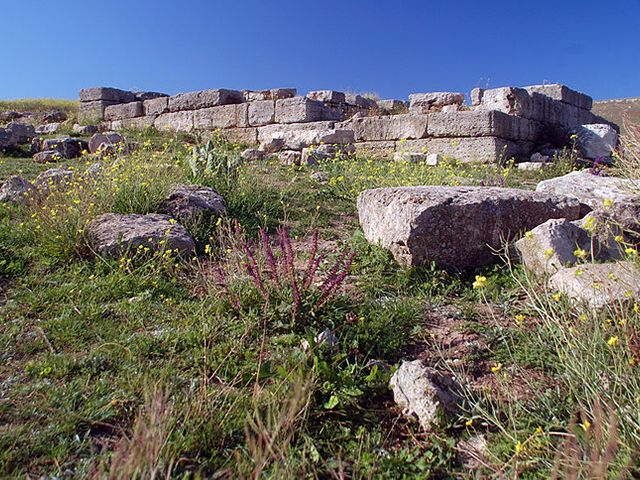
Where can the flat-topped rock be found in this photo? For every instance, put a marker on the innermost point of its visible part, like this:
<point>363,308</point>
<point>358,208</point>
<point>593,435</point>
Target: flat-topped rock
<point>388,127</point>
<point>592,190</point>
<point>563,94</point>
<point>299,139</point>
<point>112,234</point>
<point>455,227</point>
<point>204,99</point>
<point>327,96</point>
<point>192,203</point>
<point>433,101</point>
<point>108,94</point>
<point>106,139</point>
<point>599,285</point>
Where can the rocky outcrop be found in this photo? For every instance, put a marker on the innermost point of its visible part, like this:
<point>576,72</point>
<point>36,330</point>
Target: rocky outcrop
<point>105,140</point>
<point>16,190</point>
<point>455,227</point>
<point>113,234</point>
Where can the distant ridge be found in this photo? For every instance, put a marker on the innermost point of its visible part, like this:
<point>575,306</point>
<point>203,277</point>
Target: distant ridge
<point>623,111</point>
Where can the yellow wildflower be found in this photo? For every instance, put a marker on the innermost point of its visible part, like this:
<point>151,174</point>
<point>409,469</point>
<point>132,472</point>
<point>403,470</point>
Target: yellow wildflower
<point>481,282</point>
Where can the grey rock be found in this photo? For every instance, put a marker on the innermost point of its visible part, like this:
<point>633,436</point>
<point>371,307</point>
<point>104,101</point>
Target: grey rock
<point>434,159</point>
<point>290,157</point>
<point>93,112</point>
<point>299,139</point>
<point>272,94</point>
<point>53,177</point>
<point>320,177</point>
<point>47,156</point>
<point>327,96</point>
<point>106,94</point>
<point>10,116</point>
<point>476,96</point>
<point>424,393</point>
<point>193,202</point>
<point>142,96</point>
<point>301,110</point>
<point>123,110</point>
<point>67,147</point>
<point>564,94</point>
<point>593,141</point>
<point>530,166</point>
<point>113,234</point>
<point>592,190</point>
<point>252,155</point>
<point>599,285</point>
<point>204,99</point>
<point>84,130</point>
<point>411,157</point>
<point>539,158</point>
<point>108,139</point>
<point>20,133</point>
<point>273,145</point>
<point>392,106</point>
<point>47,128</point>
<point>55,117</point>
<point>316,154</point>
<point>16,190</point>
<point>262,112</point>
<point>362,103</point>
<point>434,101</point>
<point>551,246</point>
<point>455,227</point>
<point>326,339</point>
<point>388,127</point>
<point>155,106</point>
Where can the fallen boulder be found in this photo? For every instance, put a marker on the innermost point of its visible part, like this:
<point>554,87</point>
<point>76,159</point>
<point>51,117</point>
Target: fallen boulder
<point>192,202</point>
<point>424,393</point>
<point>55,117</point>
<point>595,140</point>
<point>598,285</point>
<point>47,156</point>
<point>112,234</point>
<point>67,147</point>
<point>52,178</point>
<point>16,190</point>
<point>592,190</point>
<point>455,227</point>
<point>105,140</point>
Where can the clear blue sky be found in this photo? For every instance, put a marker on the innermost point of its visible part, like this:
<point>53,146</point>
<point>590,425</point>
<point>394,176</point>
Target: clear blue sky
<point>392,47</point>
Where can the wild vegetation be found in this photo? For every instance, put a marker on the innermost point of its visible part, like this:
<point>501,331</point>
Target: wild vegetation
<point>268,353</point>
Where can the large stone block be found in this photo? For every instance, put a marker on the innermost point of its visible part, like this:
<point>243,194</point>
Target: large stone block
<point>246,136</point>
<point>204,99</point>
<point>481,123</point>
<point>267,132</point>
<point>139,123</point>
<point>223,116</point>
<point>433,101</point>
<point>93,112</point>
<point>177,121</point>
<point>381,149</point>
<point>273,94</point>
<point>389,127</point>
<point>563,94</point>
<point>469,149</point>
<point>123,110</point>
<point>261,112</point>
<point>299,139</point>
<point>301,110</point>
<point>327,96</point>
<point>106,94</point>
<point>156,106</point>
<point>455,227</point>
<point>142,96</point>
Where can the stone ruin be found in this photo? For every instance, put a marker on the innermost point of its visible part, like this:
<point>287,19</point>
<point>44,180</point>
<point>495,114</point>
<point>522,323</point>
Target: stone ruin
<point>499,124</point>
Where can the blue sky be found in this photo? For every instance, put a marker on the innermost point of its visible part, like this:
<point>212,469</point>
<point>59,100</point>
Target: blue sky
<point>393,48</point>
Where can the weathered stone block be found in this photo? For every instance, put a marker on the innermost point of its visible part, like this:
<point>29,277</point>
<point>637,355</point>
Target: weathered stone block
<point>246,136</point>
<point>427,102</point>
<point>482,123</point>
<point>261,112</point>
<point>107,94</point>
<point>455,227</point>
<point>388,127</point>
<point>156,106</point>
<point>123,110</point>
<point>272,94</point>
<point>359,101</point>
<point>470,149</point>
<point>563,94</point>
<point>204,99</point>
<point>178,121</point>
<point>139,123</point>
<point>142,96</point>
<point>268,131</point>
<point>299,139</point>
<point>301,110</point>
<point>223,116</point>
<point>476,96</point>
<point>327,96</point>
<point>381,149</point>
<point>392,106</point>
<point>93,112</point>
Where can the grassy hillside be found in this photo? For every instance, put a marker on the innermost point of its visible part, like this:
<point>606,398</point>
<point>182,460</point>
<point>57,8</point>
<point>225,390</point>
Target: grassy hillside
<point>39,107</point>
<point>160,366</point>
<point>624,111</point>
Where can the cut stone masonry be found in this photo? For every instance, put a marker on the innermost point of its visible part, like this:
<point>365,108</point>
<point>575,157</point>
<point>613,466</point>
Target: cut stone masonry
<point>500,123</point>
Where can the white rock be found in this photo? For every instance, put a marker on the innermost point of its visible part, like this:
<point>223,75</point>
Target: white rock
<point>596,140</point>
<point>598,285</point>
<point>423,392</point>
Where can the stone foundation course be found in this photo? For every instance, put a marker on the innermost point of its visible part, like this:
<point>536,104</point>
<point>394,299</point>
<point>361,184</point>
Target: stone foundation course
<point>498,124</point>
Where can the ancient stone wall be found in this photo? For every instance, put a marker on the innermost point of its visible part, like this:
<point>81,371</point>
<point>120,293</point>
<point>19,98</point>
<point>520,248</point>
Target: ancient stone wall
<point>500,123</point>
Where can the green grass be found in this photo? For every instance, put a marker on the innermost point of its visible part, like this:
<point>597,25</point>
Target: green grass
<point>39,105</point>
<point>101,357</point>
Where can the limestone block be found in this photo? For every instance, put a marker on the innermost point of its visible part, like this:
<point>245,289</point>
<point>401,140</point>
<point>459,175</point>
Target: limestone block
<point>389,127</point>
<point>123,110</point>
<point>156,106</point>
<point>204,99</point>
<point>563,94</point>
<point>327,96</point>
<point>222,116</point>
<point>178,121</point>
<point>107,94</point>
<point>91,112</point>
<point>301,110</point>
<point>261,112</point>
